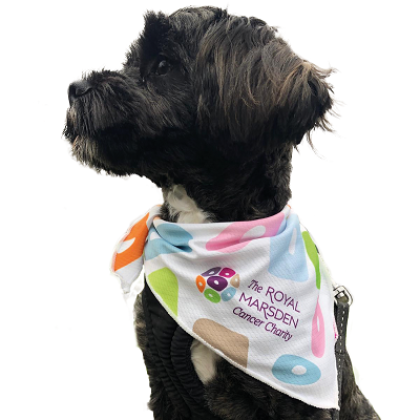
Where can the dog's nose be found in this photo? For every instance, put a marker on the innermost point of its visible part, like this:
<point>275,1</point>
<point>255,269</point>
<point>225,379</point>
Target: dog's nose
<point>78,89</point>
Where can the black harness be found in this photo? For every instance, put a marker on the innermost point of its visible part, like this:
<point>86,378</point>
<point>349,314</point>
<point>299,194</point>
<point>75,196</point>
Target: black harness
<point>343,301</point>
<point>170,349</point>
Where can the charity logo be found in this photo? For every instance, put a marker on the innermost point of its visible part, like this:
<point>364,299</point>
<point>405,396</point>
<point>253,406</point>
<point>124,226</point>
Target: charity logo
<point>218,284</point>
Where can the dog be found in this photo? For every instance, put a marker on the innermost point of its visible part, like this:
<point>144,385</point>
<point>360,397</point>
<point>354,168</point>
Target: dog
<point>209,106</point>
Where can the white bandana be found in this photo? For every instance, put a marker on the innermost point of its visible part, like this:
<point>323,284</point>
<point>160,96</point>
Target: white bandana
<point>255,292</point>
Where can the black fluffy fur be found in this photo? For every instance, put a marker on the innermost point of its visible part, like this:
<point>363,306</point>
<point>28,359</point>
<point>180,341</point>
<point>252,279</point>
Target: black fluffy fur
<point>215,103</point>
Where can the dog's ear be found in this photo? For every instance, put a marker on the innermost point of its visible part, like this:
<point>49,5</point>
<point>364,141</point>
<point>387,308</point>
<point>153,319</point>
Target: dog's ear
<point>255,91</point>
<point>299,96</point>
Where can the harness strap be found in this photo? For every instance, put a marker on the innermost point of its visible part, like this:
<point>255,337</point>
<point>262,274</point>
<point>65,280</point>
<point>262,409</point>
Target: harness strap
<point>343,300</point>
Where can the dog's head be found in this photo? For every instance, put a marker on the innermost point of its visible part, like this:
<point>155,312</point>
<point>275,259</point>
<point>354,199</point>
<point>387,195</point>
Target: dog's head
<point>203,98</point>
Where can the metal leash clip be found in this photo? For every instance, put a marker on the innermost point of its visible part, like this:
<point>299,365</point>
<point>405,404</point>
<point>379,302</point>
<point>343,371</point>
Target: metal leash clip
<point>342,291</point>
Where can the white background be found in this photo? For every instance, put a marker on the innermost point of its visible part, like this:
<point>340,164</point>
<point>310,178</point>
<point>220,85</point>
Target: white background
<point>67,346</point>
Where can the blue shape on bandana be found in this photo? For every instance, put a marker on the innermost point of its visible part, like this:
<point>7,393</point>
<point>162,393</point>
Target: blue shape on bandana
<point>287,252</point>
<point>172,239</point>
<point>284,366</point>
<point>228,294</point>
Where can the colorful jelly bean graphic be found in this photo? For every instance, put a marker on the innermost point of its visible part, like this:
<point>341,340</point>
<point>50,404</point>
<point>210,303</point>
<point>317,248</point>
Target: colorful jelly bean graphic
<point>239,234</point>
<point>228,294</point>
<point>132,247</point>
<point>318,332</point>
<point>212,296</point>
<point>167,238</point>
<point>200,281</point>
<point>212,272</point>
<point>217,282</point>
<point>235,281</point>
<point>165,284</point>
<point>227,272</point>
<point>287,253</point>
<point>295,370</point>
<point>312,251</point>
<point>232,344</point>
<point>128,260</point>
<point>335,330</point>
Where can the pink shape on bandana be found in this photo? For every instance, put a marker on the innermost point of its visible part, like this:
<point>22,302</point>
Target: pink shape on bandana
<point>318,333</point>
<point>335,330</point>
<point>234,237</point>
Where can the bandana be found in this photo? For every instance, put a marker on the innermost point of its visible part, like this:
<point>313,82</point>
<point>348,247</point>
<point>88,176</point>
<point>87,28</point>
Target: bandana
<point>255,292</point>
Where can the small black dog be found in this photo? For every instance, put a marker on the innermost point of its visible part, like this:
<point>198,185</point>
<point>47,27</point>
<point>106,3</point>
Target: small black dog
<point>208,106</point>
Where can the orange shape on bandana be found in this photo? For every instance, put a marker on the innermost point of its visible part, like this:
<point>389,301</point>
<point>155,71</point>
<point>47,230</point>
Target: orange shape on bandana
<point>201,283</point>
<point>139,233</point>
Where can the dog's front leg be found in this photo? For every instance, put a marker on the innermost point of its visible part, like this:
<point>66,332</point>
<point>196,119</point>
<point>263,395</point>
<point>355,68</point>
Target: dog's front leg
<point>159,403</point>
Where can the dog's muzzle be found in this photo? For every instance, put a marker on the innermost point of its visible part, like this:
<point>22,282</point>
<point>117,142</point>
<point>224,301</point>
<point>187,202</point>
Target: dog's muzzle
<point>77,90</point>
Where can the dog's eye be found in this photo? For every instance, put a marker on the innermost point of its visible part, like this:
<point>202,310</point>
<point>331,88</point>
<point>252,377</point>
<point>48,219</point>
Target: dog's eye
<point>162,67</point>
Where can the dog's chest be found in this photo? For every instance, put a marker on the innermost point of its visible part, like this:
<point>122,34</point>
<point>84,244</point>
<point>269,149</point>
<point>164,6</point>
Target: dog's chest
<point>182,208</point>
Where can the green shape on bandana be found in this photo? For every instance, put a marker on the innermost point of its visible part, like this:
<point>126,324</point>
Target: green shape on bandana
<point>212,295</point>
<point>313,255</point>
<point>165,284</point>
